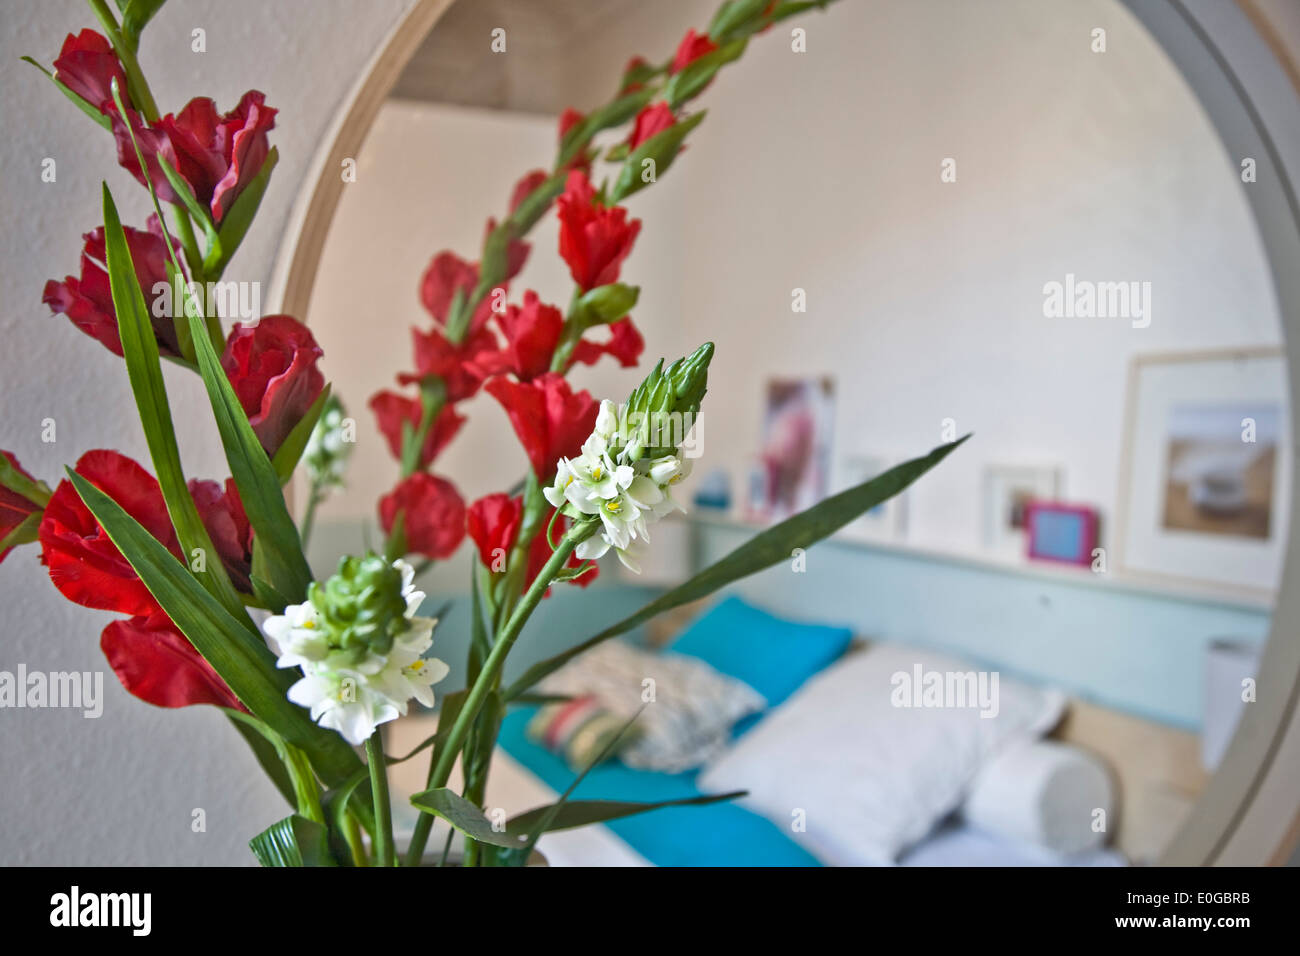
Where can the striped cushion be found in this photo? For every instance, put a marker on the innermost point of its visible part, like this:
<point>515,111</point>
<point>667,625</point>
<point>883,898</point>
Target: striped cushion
<point>578,730</point>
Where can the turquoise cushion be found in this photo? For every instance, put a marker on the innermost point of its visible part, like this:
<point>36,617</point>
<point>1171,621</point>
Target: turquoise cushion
<point>716,834</point>
<point>770,654</point>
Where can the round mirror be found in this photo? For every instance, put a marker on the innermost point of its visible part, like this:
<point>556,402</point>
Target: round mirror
<point>900,223</point>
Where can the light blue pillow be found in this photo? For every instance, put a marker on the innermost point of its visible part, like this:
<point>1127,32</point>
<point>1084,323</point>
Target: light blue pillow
<point>770,654</point>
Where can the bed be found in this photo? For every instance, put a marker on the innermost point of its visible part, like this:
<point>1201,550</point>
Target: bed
<point>1154,769</point>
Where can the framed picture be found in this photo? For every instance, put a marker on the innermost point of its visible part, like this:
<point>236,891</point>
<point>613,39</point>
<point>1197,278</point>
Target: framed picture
<point>1204,487</point>
<point>889,518</point>
<point>1008,490</point>
<point>1064,533</point>
<point>794,458</point>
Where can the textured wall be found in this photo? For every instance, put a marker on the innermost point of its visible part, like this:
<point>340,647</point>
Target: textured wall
<point>121,789</point>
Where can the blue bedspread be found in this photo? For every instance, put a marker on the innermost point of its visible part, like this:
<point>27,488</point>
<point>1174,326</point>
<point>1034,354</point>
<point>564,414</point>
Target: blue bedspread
<point>720,834</point>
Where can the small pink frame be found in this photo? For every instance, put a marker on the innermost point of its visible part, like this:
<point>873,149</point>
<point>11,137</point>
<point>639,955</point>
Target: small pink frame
<point>1087,518</point>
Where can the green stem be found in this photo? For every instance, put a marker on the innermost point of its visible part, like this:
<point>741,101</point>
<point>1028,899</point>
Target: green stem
<point>189,242</point>
<point>352,835</point>
<point>141,96</point>
<point>487,678</point>
<point>384,855</point>
<point>309,516</point>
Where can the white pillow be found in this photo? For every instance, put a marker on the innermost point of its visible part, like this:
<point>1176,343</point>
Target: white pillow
<point>1044,793</point>
<point>689,707</point>
<point>859,764</point>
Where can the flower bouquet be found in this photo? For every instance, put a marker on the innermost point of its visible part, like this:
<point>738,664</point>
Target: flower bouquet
<point>219,605</point>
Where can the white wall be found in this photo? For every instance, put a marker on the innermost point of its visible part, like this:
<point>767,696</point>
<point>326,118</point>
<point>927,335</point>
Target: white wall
<point>121,789</point>
<point>821,171</point>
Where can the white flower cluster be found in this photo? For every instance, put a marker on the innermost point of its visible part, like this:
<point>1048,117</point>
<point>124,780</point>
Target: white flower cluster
<point>626,496</point>
<point>329,446</point>
<point>353,692</point>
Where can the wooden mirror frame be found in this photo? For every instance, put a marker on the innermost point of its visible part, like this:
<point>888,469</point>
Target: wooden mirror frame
<point>1249,814</point>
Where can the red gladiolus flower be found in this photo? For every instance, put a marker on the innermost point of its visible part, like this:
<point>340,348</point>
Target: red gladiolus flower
<point>448,274</point>
<point>218,155</point>
<point>391,410</point>
<point>550,419</point>
<point>532,334</point>
<point>456,365</point>
<point>272,366</point>
<point>14,508</point>
<point>493,523</point>
<point>569,119</point>
<point>525,188</point>
<point>433,515</point>
<point>84,564</point>
<point>516,254</point>
<point>156,663</point>
<point>625,344</point>
<point>88,302</point>
<point>87,65</point>
<point>635,64</point>
<point>223,516</point>
<point>594,240</point>
<point>693,46</point>
<point>653,119</point>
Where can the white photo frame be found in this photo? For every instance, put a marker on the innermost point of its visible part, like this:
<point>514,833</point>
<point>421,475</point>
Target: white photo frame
<point>1204,486</point>
<point>1007,489</point>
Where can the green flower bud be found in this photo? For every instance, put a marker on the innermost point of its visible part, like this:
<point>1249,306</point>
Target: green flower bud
<point>361,606</point>
<point>664,402</point>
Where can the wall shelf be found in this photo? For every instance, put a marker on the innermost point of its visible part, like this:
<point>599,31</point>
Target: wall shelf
<point>1140,584</point>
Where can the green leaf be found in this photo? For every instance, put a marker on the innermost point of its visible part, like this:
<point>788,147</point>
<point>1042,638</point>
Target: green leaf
<point>293,841</point>
<point>255,477</point>
<point>242,659</point>
<point>761,551</point>
<point>734,15</point>
<point>84,105</point>
<point>235,223</point>
<point>135,16</point>
<point>34,491</point>
<point>691,81</point>
<point>140,351</point>
<point>479,646</point>
<point>266,755</point>
<point>615,113</point>
<point>462,815</point>
<point>24,533</point>
<point>198,212</point>
<point>581,813</point>
<point>290,451</point>
<point>662,148</point>
<point>605,303</point>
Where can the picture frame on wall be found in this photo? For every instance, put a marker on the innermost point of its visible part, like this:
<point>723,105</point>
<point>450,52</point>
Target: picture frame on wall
<point>1008,491</point>
<point>1204,487</point>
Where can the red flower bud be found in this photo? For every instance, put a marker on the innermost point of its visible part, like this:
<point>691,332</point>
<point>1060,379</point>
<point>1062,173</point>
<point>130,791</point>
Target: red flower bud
<point>653,119</point>
<point>391,410</point>
<point>272,366</point>
<point>14,507</point>
<point>87,65</point>
<point>433,515</point>
<point>88,302</point>
<point>693,46</point>
<point>550,419</point>
<point>594,239</point>
<point>525,188</point>
<point>493,523</point>
<point>223,516</point>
